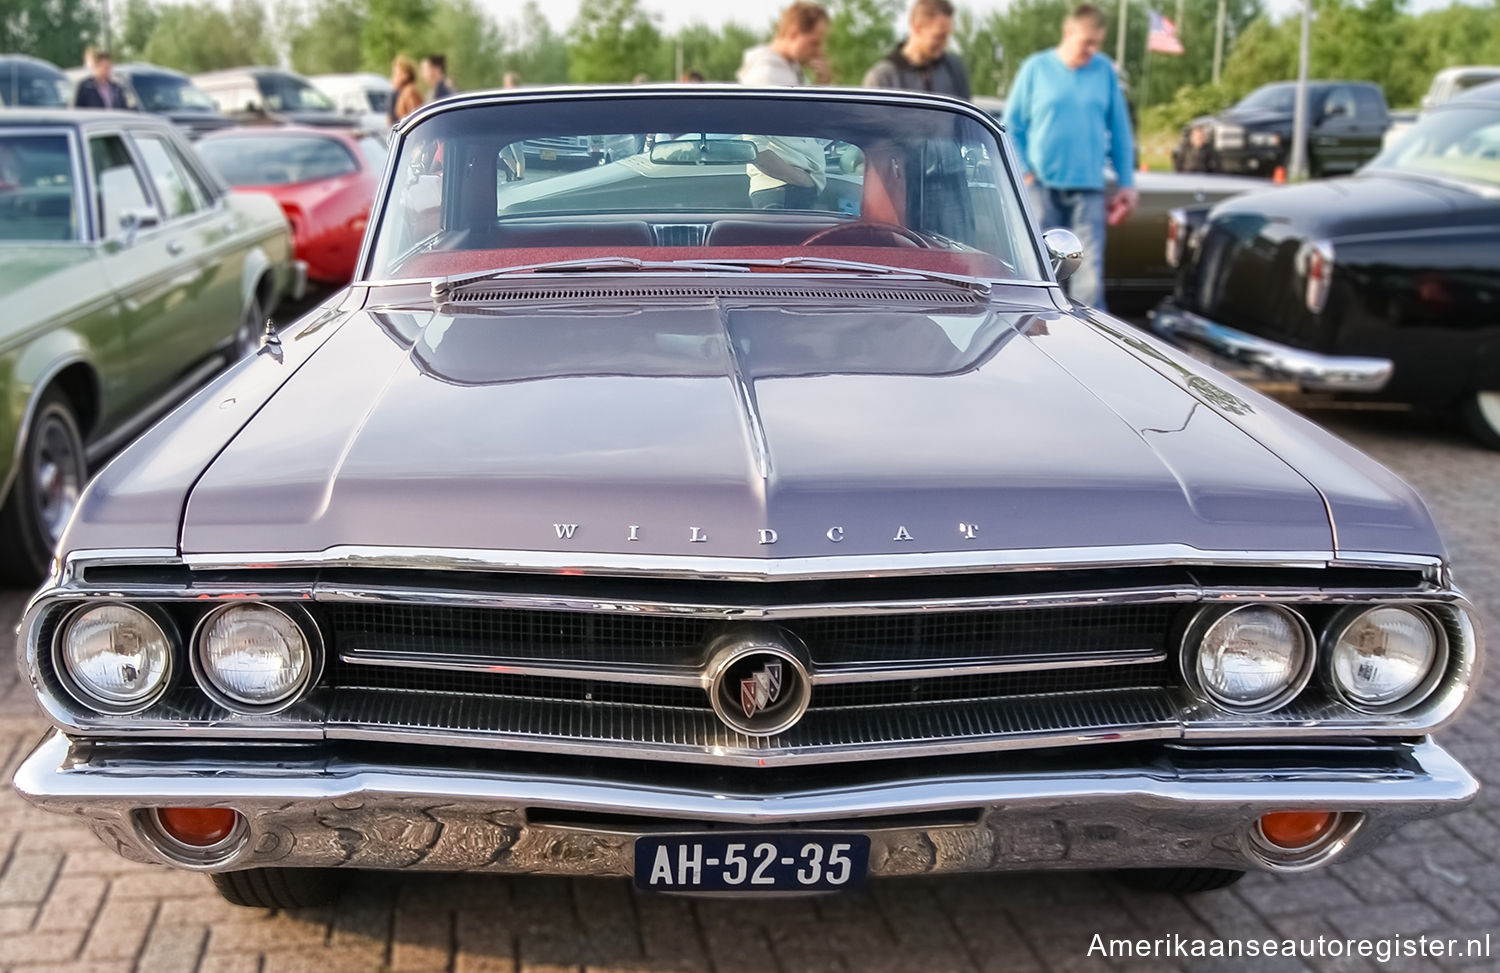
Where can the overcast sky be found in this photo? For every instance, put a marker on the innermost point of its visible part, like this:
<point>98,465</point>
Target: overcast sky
<point>672,14</point>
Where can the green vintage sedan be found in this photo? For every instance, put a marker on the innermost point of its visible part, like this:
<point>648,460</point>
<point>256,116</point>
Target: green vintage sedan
<point>128,274</point>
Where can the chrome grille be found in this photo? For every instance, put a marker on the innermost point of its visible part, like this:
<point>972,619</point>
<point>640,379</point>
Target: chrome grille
<point>883,684</point>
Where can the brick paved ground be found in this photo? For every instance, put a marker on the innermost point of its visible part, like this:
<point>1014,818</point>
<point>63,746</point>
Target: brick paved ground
<point>66,904</point>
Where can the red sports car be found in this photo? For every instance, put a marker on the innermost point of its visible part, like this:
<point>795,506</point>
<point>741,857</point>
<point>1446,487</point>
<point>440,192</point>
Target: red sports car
<point>325,181</point>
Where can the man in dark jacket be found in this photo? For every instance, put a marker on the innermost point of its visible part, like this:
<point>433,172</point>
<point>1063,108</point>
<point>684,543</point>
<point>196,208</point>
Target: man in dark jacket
<point>100,91</point>
<point>922,62</point>
<point>435,73</point>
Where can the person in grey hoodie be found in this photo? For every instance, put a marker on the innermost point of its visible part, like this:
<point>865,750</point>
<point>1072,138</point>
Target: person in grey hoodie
<point>922,61</point>
<point>788,172</point>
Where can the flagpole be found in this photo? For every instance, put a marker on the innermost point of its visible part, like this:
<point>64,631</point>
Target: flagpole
<point>1145,98</point>
<point>1120,40</point>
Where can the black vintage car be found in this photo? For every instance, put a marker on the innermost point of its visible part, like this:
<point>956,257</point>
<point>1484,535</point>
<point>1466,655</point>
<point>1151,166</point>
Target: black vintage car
<point>1346,121</point>
<point>1383,285</point>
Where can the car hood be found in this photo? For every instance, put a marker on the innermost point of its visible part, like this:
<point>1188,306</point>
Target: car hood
<point>744,432</point>
<point>1370,202</point>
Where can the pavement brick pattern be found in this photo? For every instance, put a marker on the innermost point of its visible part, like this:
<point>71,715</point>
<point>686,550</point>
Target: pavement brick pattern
<point>67,904</point>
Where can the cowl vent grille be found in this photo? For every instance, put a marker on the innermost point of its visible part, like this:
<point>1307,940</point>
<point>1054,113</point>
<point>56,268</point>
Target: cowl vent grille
<point>573,291</point>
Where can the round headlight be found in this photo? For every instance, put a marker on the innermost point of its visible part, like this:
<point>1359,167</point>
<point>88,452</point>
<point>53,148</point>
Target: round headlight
<point>252,657</point>
<point>1252,658</point>
<point>1385,659</point>
<point>115,658</point>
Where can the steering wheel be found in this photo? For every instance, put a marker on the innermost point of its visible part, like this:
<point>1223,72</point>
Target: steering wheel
<point>867,234</point>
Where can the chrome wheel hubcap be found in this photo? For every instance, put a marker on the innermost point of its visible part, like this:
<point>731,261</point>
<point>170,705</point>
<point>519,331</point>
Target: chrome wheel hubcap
<point>57,476</point>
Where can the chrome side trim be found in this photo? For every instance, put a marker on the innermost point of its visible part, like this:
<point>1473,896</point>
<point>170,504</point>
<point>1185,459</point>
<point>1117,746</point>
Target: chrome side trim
<point>695,676</point>
<point>318,810</point>
<point>1313,371</point>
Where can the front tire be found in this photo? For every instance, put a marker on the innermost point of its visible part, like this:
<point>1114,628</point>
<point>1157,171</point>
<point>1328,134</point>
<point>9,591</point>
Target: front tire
<point>1481,415</point>
<point>49,479</point>
<point>280,888</point>
<point>1179,881</point>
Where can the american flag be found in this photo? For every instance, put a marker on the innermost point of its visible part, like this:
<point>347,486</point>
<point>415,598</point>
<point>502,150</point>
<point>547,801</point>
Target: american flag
<point>1162,37</point>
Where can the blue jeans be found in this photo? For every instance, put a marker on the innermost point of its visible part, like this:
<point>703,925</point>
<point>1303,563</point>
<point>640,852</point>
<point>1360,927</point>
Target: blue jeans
<point>1082,211</point>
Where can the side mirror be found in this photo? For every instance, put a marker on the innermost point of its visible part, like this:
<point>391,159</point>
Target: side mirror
<point>1334,111</point>
<point>133,221</point>
<point>1064,250</point>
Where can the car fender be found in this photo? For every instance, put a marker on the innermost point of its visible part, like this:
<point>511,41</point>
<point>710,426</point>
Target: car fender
<point>30,374</point>
<point>257,265</point>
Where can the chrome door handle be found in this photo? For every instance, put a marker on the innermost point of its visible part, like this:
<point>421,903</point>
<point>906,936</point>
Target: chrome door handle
<point>175,248</point>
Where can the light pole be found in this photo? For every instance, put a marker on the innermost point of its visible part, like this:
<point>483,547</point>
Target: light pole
<point>1219,42</point>
<point>105,15</point>
<point>1297,168</point>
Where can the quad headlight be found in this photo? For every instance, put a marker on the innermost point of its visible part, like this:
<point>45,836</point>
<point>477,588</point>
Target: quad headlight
<point>1382,660</point>
<point>114,658</point>
<point>252,657</point>
<point>1251,658</point>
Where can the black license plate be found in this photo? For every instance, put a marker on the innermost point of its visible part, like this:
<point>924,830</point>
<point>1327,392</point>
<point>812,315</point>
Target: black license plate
<point>751,862</point>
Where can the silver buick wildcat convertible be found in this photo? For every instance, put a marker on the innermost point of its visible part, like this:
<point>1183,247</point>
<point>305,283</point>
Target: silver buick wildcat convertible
<point>756,516</point>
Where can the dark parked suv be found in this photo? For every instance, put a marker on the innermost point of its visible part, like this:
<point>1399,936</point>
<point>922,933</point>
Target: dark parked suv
<point>1347,120</point>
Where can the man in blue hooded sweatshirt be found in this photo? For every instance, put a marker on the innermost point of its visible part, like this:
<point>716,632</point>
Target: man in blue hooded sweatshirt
<point>1066,113</point>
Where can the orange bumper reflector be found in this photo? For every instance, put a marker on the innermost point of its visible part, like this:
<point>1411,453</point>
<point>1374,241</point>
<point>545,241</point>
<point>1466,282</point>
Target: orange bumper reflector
<point>197,826</point>
<point>1296,829</point>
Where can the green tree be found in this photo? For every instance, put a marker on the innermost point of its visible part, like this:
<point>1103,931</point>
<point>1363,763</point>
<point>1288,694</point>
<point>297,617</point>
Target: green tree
<point>205,37</point>
<point>613,41</point>
<point>325,37</point>
<point>393,27</point>
<point>860,32</point>
<point>975,41</point>
<point>538,54</point>
<point>469,39</point>
<point>715,52</point>
<point>137,22</point>
<point>53,30</point>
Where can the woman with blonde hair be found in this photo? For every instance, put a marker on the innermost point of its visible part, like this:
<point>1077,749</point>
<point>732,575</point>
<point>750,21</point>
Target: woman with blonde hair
<point>404,79</point>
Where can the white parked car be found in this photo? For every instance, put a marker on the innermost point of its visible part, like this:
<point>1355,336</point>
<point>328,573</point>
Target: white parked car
<point>1446,84</point>
<point>363,98</point>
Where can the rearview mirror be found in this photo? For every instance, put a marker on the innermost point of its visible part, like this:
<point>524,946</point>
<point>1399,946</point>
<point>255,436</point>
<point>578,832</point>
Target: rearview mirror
<point>703,152</point>
<point>1064,251</point>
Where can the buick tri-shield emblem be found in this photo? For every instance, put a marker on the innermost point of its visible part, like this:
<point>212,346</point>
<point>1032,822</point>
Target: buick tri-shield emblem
<point>760,689</point>
<point>757,679</point>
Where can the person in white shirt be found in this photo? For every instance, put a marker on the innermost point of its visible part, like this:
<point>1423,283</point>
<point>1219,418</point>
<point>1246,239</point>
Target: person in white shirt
<point>789,171</point>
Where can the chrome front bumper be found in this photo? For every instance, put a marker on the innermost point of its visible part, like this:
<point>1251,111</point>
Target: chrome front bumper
<point>1312,371</point>
<point>1177,807</point>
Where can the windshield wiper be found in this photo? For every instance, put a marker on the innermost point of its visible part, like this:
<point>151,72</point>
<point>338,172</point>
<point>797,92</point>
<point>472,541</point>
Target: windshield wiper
<point>449,286</point>
<point>978,286</point>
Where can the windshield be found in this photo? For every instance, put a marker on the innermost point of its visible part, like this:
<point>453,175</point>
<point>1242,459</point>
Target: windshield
<point>277,160</point>
<point>163,93</point>
<point>36,188</point>
<point>1460,143</point>
<point>379,99</point>
<point>284,92</point>
<point>695,177</point>
<point>1281,98</point>
<point>25,85</point>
